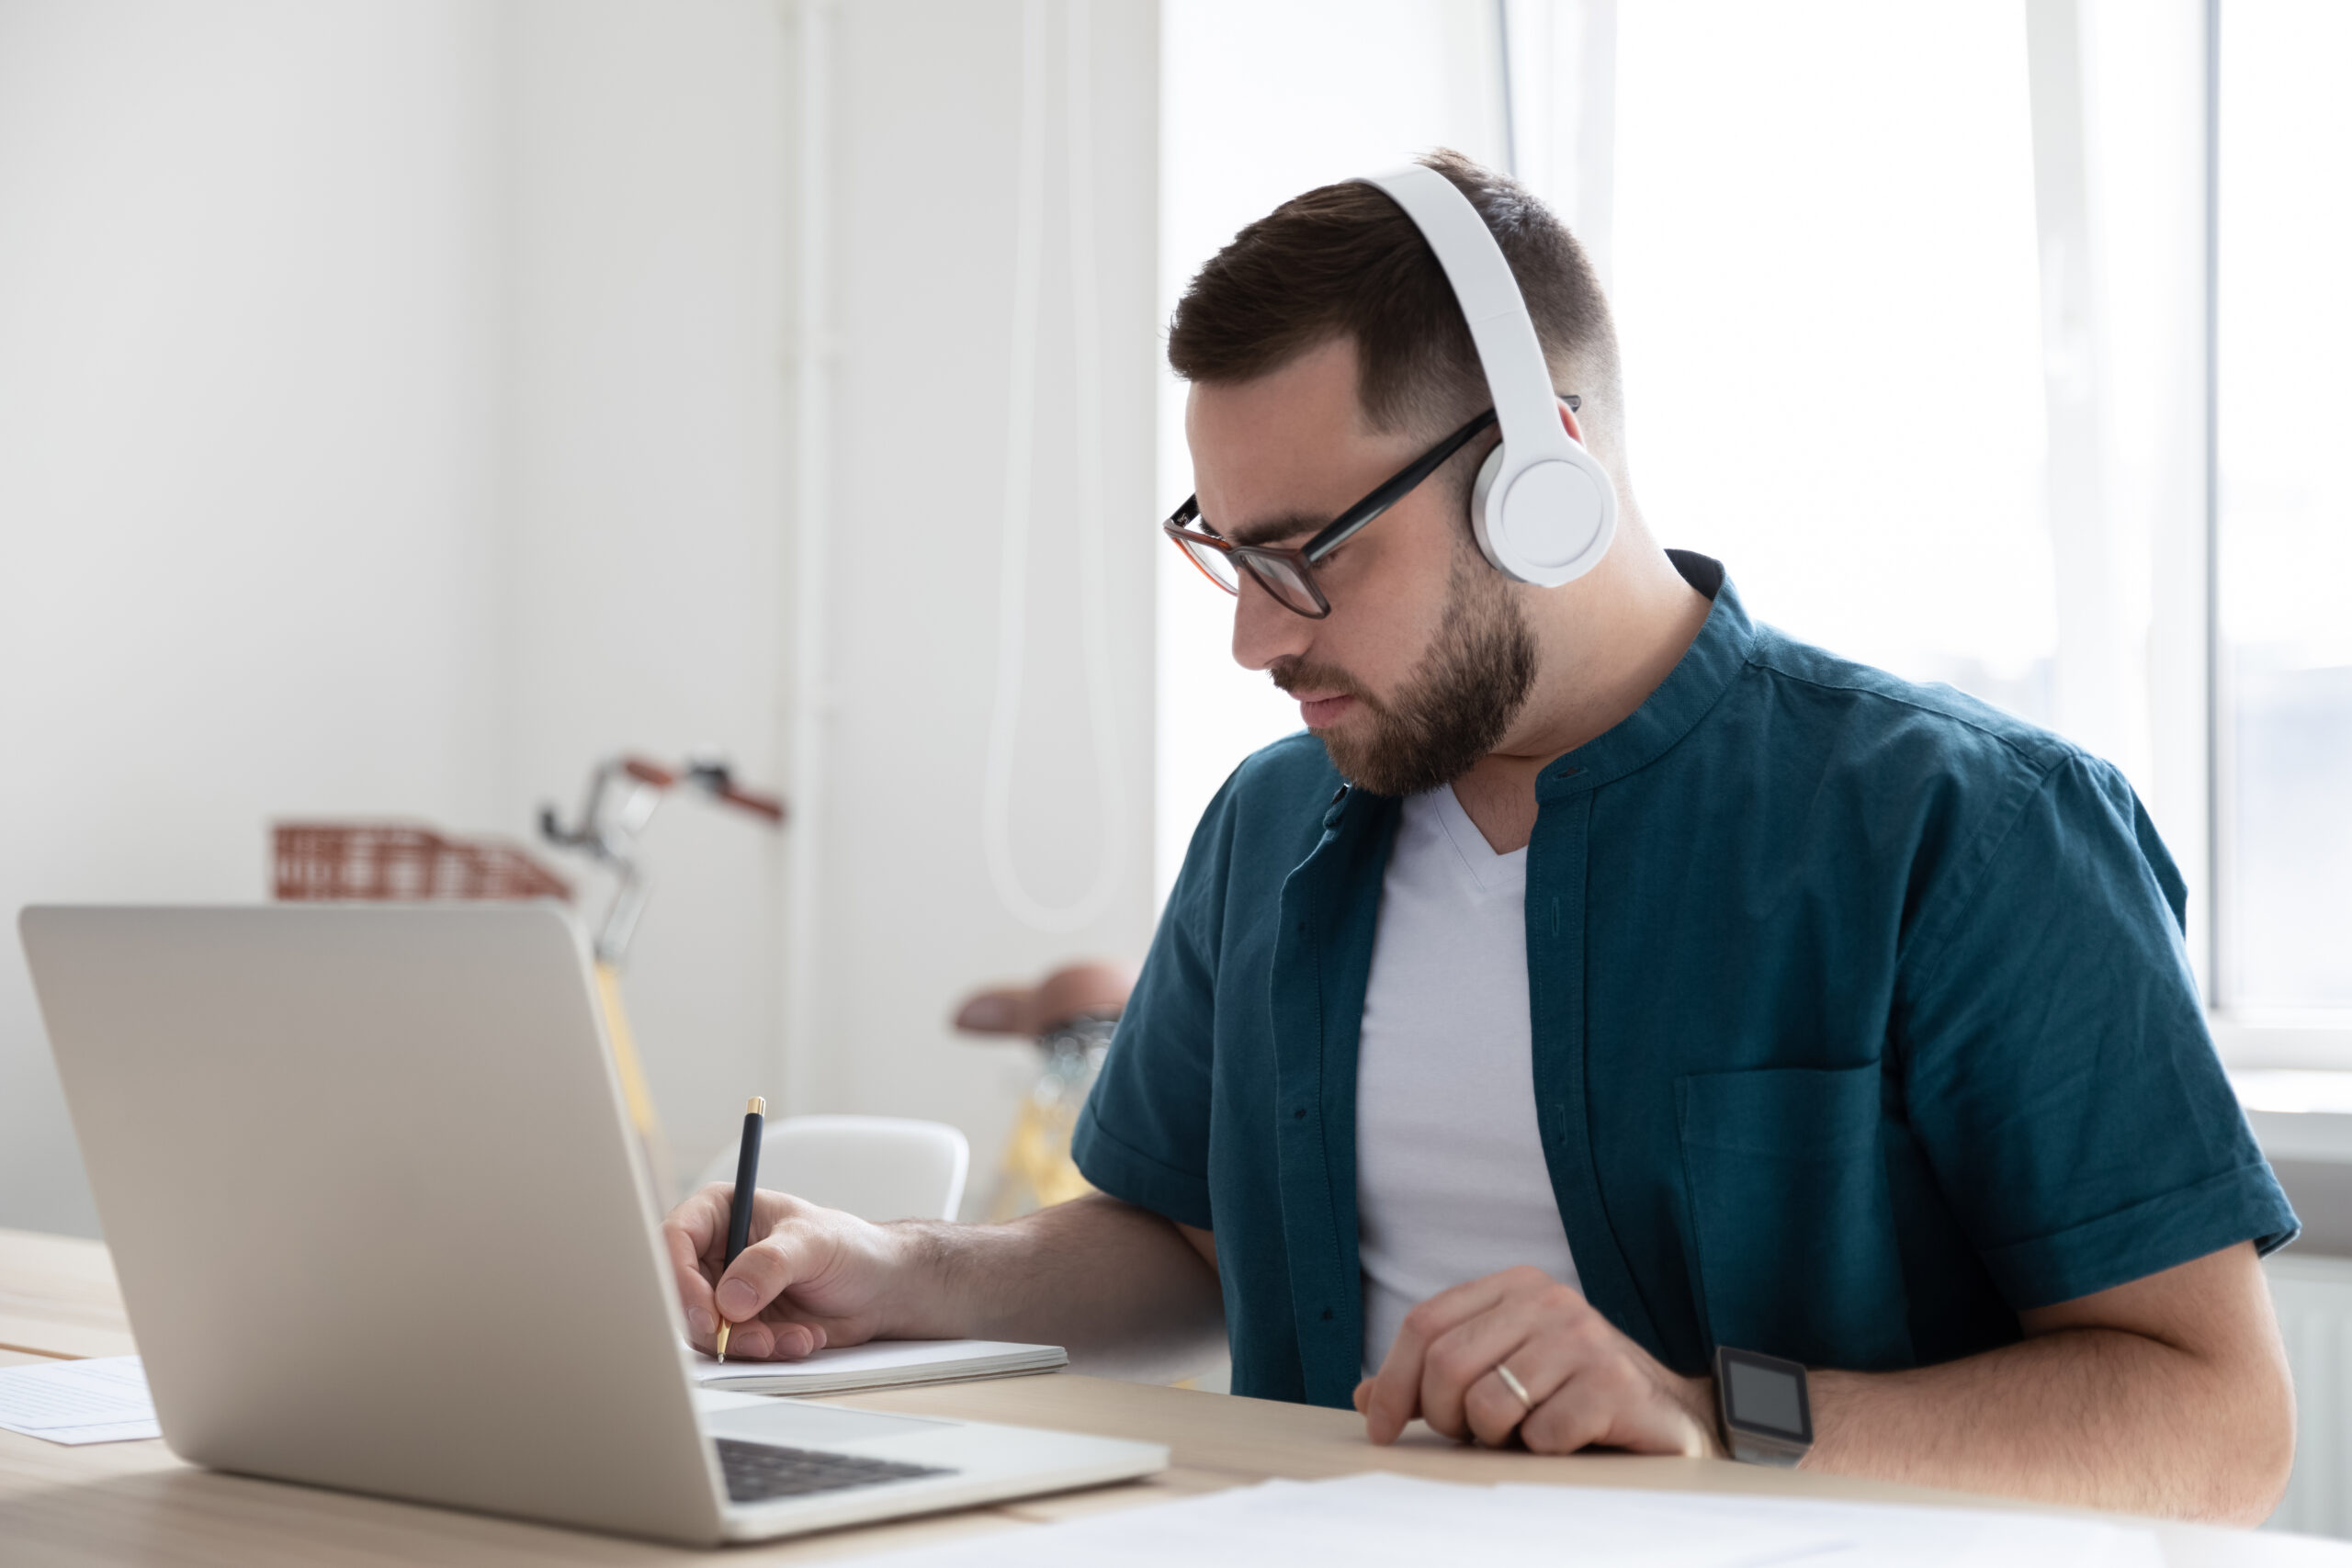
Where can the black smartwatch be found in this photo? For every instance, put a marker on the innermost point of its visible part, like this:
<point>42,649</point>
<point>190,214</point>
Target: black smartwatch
<point>1767,1413</point>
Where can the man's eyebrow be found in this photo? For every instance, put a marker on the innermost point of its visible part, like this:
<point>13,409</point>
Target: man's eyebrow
<point>1282,526</point>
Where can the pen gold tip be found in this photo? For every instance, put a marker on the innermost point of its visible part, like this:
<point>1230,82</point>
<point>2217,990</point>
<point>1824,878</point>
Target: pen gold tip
<point>758,1107</point>
<point>723,1326</point>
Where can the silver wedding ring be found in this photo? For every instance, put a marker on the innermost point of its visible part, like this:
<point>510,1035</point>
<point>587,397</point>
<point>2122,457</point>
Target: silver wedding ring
<point>1517,1389</point>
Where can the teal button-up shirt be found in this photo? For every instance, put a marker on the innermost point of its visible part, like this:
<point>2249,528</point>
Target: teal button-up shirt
<point>1862,1023</point>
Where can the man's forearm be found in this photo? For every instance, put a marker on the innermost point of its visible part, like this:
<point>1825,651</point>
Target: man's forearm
<point>2098,1417</point>
<point>1119,1286</point>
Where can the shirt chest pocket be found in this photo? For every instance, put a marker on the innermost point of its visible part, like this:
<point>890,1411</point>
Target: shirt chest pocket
<point>1790,1215</point>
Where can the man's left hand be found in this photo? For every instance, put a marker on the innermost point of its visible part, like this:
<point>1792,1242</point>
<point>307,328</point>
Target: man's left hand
<point>1586,1384</point>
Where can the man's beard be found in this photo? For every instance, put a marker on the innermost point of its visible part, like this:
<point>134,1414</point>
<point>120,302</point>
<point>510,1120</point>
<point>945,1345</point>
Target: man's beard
<point>1453,708</point>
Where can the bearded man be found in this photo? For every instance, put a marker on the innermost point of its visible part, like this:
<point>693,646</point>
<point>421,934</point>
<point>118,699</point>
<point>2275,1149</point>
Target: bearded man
<point>1604,981</point>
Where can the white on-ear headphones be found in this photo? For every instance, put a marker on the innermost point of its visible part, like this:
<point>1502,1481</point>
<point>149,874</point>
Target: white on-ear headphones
<point>1543,509</point>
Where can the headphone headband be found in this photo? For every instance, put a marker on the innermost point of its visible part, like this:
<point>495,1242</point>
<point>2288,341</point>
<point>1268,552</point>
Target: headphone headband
<point>1544,510</point>
<point>1508,350</point>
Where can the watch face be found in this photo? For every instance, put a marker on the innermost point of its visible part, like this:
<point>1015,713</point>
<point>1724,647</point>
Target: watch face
<point>1765,1395</point>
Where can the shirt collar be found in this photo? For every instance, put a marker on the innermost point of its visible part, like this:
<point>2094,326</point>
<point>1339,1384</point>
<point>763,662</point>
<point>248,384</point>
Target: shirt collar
<point>1698,680</point>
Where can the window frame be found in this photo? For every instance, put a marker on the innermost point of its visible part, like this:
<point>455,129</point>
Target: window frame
<point>2246,1037</point>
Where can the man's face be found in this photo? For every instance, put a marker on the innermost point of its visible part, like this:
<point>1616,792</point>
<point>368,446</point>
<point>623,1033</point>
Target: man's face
<point>1425,660</point>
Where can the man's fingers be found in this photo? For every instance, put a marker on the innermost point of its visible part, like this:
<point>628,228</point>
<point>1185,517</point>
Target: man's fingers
<point>1450,1308</point>
<point>1585,1383</point>
<point>1542,1364</point>
<point>1578,1415</point>
<point>684,1237</point>
<point>782,1333</point>
<point>1468,1352</point>
<point>1565,1335</point>
<point>1491,1411</point>
<point>685,1261</point>
<point>701,1219</point>
<point>766,1269</point>
<point>1553,1348</point>
<point>1611,1401</point>
<point>1396,1395</point>
<point>765,1340</point>
<point>1393,1396</point>
<point>795,1289</point>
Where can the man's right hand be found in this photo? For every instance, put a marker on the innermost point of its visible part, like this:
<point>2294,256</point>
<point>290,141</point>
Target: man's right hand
<point>810,1277</point>
<point>1126,1291</point>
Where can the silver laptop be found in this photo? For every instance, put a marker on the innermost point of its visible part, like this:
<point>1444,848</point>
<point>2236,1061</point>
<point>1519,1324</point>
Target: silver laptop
<point>380,1225</point>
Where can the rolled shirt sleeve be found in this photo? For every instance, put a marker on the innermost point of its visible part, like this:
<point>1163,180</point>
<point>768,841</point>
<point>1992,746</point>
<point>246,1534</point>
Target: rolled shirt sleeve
<point>2058,1069</point>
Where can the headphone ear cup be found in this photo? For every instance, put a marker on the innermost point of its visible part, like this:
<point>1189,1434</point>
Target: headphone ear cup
<point>1486,515</point>
<point>1546,523</point>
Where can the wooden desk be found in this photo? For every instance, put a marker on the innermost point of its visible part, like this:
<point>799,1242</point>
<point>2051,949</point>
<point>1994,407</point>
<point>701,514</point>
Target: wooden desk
<point>134,1503</point>
<point>58,1297</point>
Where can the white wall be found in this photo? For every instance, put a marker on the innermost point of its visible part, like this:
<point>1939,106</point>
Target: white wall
<point>647,444</point>
<point>248,278</point>
<point>925,147</point>
<point>396,421</point>
<point>394,398</point>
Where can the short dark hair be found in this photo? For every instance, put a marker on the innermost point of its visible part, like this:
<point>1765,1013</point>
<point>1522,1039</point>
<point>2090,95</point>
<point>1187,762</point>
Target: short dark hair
<point>1344,261</point>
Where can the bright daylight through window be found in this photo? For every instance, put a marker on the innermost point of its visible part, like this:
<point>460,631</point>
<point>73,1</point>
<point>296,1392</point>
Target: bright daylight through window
<point>2286,505</point>
<point>1825,280</point>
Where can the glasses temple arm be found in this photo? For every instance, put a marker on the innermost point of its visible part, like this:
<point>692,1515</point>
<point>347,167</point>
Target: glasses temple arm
<point>1367,510</point>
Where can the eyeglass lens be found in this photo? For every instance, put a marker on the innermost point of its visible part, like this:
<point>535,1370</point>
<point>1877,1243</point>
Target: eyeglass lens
<point>1286,580</point>
<point>1210,560</point>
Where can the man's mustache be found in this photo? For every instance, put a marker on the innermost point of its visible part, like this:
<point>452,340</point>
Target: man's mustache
<point>1293,675</point>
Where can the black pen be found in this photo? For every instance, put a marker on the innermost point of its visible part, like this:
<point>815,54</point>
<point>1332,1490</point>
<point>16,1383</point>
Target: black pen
<point>739,1213</point>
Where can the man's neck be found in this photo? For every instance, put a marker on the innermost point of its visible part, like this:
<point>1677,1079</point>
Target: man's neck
<point>1605,643</point>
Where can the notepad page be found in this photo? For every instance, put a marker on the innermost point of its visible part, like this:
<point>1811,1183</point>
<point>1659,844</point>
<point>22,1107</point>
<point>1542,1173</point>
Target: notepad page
<point>103,1400</point>
<point>877,1359</point>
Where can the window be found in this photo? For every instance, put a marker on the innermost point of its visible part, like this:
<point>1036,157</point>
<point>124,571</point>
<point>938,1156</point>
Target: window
<point>1826,288</point>
<point>2285,514</point>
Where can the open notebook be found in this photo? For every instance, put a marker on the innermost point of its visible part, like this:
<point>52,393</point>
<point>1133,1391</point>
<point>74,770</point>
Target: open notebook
<point>885,1363</point>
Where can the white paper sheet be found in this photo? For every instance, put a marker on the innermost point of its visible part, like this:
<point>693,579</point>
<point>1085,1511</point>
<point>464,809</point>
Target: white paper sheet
<point>1378,1520</point>
<point>98,1401</point>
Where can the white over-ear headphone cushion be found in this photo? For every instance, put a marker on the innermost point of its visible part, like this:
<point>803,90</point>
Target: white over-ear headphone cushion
<point>1552,515</point>
<point>1550,526</point>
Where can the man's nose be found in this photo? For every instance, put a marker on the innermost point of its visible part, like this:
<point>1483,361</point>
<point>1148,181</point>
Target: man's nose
<point>1263,631</point>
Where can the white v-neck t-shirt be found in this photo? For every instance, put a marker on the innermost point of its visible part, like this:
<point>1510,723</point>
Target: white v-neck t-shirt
<point>1451,1182</point>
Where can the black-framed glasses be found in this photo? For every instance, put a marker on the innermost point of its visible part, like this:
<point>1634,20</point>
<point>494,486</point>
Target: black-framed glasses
<point>1288,574</point>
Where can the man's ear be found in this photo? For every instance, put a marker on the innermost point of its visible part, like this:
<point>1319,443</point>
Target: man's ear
<point>1569,418</point>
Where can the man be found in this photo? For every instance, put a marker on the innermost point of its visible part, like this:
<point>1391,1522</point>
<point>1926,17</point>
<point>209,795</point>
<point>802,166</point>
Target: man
<point>1604,978</point>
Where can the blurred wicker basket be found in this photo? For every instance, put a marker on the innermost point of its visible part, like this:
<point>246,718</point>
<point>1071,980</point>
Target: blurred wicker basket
<point>403,862</point>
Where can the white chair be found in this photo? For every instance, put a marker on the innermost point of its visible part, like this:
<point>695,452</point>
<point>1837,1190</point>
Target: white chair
<point>877,1167</point>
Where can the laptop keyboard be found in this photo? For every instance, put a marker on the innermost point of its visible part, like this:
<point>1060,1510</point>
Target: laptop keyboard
<point>760,1473</point>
